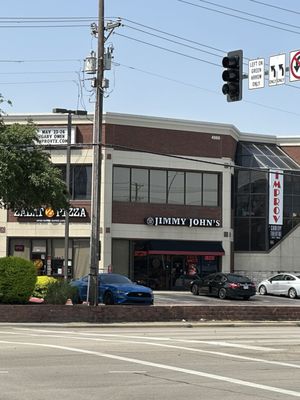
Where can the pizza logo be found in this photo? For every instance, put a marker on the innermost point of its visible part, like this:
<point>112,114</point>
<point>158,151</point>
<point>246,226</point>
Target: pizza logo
<point>49,212</point>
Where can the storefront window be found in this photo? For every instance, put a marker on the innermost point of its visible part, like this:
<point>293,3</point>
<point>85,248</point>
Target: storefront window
<point>259,182</point>
<point>258,205</point>
<point>175,187</point>
<point>81,182</point>
<point>258,234</point>
<point>241,234</point>
<point>210,190</point>
<point>139,185</point>
<point>193,189</point>
<point>158,186</point>
<point>121,184</point>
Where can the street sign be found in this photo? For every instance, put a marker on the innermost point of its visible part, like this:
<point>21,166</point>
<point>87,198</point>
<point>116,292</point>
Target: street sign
<point>295,65</point>
<point>277,70</point>
<point>256,73</point>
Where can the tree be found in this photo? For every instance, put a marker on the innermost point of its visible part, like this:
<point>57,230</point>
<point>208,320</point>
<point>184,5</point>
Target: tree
<point>28,178</point>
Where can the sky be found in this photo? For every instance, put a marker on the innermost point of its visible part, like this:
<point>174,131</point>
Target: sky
<point>167,59</point>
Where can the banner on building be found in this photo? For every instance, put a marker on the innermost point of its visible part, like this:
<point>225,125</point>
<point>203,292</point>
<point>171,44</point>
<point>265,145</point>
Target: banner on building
<point>275,197</point>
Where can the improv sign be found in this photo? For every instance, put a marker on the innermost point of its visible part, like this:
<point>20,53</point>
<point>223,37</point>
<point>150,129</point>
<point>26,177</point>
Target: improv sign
<point>275,197</point>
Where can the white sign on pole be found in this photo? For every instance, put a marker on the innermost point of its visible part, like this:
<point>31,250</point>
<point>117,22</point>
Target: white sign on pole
<point>295,65</point>
<point>256,73</point>
<point>55,136</point>
<point>277,70</point>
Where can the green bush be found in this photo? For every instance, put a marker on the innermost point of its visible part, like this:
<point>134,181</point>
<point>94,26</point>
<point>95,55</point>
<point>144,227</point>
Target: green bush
<point>17,280</point>
<point>41,286</point>
<point>59,292</point>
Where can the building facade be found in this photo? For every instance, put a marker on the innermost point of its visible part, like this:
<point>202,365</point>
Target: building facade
<point>178,198</point>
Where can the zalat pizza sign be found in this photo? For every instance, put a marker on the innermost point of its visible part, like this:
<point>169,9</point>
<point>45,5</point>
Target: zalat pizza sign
<point>50,214</point>
<point>275,197</point>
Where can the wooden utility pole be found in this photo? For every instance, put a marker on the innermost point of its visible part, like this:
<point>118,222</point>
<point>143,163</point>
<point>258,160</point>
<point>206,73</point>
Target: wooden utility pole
<point>97,159</point>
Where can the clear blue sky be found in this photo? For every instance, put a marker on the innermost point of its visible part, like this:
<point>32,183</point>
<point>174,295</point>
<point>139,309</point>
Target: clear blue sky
<point>41,67</point>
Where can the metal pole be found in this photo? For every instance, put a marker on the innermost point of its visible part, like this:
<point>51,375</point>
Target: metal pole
<point>68,162</point>
<point>96,171</point>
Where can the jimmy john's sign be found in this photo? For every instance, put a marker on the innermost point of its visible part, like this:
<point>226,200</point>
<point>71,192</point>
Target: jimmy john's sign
<point>48,214</point>
<point>183,221</point>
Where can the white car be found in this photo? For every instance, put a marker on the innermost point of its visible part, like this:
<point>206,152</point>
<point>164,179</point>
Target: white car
<point>281,284</point>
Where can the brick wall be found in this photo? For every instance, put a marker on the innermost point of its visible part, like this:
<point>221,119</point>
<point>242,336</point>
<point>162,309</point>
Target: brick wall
<point>110,314</point>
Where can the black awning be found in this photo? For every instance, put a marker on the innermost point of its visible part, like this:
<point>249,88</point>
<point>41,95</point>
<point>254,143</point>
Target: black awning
<point>185,247</point>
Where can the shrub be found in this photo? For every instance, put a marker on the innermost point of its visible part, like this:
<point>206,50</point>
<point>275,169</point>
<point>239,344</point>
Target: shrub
<point>41,286</point>
<point>59,292</point>
<point>17,280</point>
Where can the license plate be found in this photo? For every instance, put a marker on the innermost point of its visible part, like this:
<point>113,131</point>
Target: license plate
<point>246,287</point>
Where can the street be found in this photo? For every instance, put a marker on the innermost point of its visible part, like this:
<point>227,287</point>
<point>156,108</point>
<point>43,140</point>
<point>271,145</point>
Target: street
<point>257,361</point>
<point>186,298</point>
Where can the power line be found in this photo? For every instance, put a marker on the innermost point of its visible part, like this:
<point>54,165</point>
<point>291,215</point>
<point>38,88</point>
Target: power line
<point>172,35</point>
<point>238,17</point>
<point>277,109</point>
<point>273,6</point>
<point>168,50</point>
<point>249,14</point>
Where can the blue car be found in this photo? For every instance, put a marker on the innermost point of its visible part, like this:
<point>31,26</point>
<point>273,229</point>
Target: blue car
<point>115,289</point>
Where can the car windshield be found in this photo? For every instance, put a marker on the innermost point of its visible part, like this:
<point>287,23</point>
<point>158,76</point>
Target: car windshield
<point>238,278</point>
<point>114,278</point>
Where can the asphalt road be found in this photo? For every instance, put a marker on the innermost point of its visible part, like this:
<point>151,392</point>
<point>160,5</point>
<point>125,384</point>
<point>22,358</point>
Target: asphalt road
<point>187,298</point>
<point>149,363</point>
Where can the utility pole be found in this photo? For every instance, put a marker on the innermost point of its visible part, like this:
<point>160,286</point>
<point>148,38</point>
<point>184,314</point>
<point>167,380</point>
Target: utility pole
<point>96,170</point>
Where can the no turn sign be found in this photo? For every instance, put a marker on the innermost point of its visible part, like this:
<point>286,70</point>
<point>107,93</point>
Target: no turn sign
<point>295,65</point>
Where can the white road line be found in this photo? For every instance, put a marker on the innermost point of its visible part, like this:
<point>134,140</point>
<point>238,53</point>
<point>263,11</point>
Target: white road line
<point>215,343</point>
<point>3,372</point>
<point>192,349</point>
<point>166,367</point>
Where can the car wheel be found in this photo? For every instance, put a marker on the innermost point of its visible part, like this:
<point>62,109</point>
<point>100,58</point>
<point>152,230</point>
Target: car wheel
<point>262,290</point>
<point>292,293</point>
<point>246,297</point>
<point>195,290</point>
<point>222,293</point>
<point>108,299</point>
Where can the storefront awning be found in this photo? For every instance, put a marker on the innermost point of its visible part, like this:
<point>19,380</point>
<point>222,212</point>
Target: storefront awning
<point>185,248</point>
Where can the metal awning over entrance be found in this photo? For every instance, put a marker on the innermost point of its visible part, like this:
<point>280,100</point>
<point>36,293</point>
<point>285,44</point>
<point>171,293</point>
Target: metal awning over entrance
<point>177,247</point>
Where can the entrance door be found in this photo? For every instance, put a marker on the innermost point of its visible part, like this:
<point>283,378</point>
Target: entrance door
<point>177,273</point>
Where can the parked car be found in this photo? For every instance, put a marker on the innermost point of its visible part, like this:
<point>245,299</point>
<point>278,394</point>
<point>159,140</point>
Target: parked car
<point>224,285</point>
<point>281,284</point>
<point>115,289</point>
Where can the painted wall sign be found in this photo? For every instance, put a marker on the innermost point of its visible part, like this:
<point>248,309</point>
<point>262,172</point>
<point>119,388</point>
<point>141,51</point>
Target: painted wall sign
<point>275,197</point>
<point>183,221</point>
<point>55,136</point>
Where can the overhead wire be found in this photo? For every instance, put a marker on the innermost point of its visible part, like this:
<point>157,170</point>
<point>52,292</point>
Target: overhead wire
<point>237,16</point>
<point>274,6</point>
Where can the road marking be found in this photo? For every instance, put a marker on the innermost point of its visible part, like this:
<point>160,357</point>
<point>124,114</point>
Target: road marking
<point>215,343</point>
<point>127,372</point>
<point>3,372</point>
<point>163,366</point>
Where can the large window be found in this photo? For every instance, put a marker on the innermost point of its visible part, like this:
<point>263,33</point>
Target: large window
<point>251,205</point>
<point>80,181</point>
<point>159,186</point>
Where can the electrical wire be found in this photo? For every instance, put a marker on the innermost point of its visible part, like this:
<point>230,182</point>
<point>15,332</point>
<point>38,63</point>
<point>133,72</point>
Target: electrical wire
<point>168,50</point>
<point>238,17</point>
<point>273,6</point>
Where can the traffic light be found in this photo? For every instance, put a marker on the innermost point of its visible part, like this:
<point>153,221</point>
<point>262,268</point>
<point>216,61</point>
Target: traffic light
<point>233,75</point>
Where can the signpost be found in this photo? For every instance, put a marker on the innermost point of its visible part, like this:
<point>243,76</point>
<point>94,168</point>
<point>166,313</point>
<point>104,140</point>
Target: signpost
<point>256,78</point>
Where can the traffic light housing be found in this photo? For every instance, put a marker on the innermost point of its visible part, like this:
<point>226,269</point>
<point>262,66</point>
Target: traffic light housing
<point>233,75</point>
